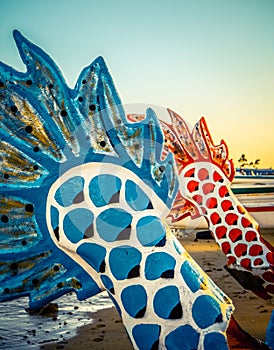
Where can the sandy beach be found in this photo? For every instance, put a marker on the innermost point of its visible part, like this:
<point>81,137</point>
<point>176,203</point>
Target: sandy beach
<point>107,332</point>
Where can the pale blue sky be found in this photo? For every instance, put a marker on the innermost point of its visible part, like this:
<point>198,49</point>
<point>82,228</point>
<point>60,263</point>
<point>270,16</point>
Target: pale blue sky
<point>212,58</point>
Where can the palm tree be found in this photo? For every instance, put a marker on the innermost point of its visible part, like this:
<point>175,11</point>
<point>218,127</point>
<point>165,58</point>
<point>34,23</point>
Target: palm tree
<point>256,163</point>
<point>243,161</point>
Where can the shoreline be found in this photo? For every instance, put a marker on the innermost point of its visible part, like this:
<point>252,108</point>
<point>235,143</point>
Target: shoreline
<point>104,333</point>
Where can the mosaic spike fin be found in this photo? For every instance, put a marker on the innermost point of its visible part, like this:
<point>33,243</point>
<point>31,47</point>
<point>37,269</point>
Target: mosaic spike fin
<point>46,129</point>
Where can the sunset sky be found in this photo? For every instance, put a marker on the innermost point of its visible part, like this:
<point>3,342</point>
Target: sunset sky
<point>211,58</point>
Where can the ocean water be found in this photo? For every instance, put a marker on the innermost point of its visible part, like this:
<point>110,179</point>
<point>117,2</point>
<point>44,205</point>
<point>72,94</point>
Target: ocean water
<point>21,330</point>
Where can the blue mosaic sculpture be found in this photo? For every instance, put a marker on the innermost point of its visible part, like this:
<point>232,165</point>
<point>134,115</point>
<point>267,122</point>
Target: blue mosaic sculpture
<point>82,206</point>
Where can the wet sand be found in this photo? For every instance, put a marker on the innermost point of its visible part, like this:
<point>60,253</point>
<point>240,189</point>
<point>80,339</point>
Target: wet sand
<point>252,313</point>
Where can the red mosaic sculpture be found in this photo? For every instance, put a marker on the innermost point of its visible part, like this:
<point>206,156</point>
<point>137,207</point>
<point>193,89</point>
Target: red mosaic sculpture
<point>205,176</point>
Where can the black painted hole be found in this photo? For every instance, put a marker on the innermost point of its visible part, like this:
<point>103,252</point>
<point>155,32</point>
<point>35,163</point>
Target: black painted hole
<point>29,82</point>
<point>56,268</point>
<point>6,290</point>
<point>36,149</point>
<point>56,233</point>
<point>168,274</point>
<point>24,242</point>
<point>176,312</point>
<point>150,205</point>
<point>14,109</point>
<point>35,167</point>
<point>13,266</point>
<point>80,99</point>
<point>63,113</point>
<point>92,107</point>
<point>60,285</point>
<point>219,318</point>
<point>141,313</point>
<point>115,198</point>
<point>119,121</point>
<point>162,168</point>
<point>161,243</point>
<point>4,219</point>
<point>102,267</point>
<point>29,208</point>
<point>134,272</point>
<point>6,176</point>
<point>84,81</point>
<point>1,84</point>
<point>155,346</point>
<point>78,284</point>
<point>35,281</point>
<point>103,144</point>
<point>28,129</point>
<point>50,86</point>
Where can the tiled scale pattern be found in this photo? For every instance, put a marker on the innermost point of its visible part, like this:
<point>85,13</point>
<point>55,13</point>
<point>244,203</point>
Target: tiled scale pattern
<point>82,197</point>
